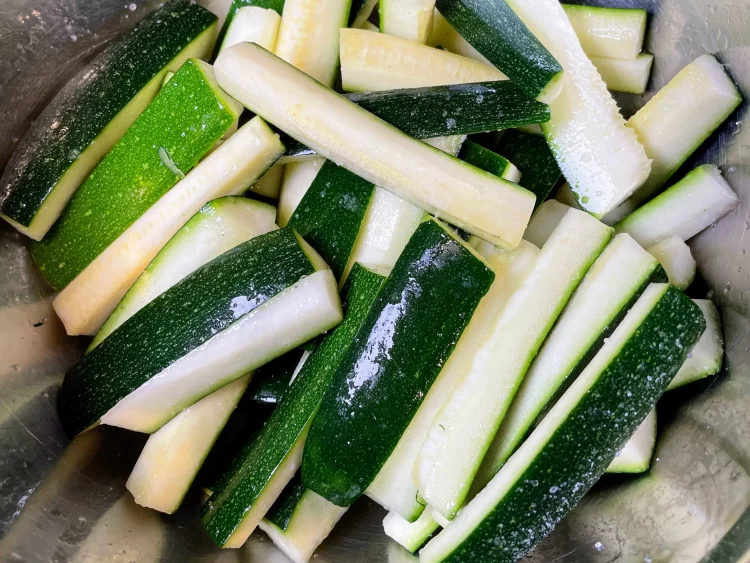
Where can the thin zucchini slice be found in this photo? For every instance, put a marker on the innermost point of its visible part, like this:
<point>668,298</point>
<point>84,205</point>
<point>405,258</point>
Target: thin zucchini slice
<point>599,156</point>
<point>269,185</point>
<point>676,121</point>
<point>91,114</point>
<point>411,535</point>
<point>463,430</point>
<point>544,222</point>
<point>707,357</point>
<point>375,61</point>
<point>253,24</point>
<point>676,259</point>
<point>563,458</point>
<point>361,12</point>
<point>635,456</point>
<point>395,487</point>
<point>608,32</point>
<point>445,36</point>
<point>409,19</point>
<point>309,36</point>
<point>300,520</point>
<point>330,215</point>
<point>163,144</point>
<point>684,210</point>
<point>467,197</point>
<point>86,302</point>
<point>239,311</point>
<point>172,456</point>
<point>237,5</point>
<point>611,287</point>
<point>219,226</point>
<point>489,161</point>
<point>258,474</point>
<point>625,76</point>
<point>298,177</point>
<point>378,388</point>
<point>499,34</point>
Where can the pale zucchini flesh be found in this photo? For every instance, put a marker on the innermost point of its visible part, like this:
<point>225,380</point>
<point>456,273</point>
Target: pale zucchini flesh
<point>253,24</point>
<point>297,179</point>
<point>463,431</point>
<point>707,357</point>
<point>361,12</point>
<point>625,76</point>
<point>478,202</point>
<point>684,210</point>
<point>172,456</point>
<point>545,221</point>
<point>608,32</point>
<point>269,185</point>
<point>445,35</point>
<point>411,535</point>
<point>87,301</point>
<point>409,19</point>
<point>309,36</point>
<point>599,156</point>
<point>676,259</point>
<point>635,456</point>
<point>220,225</point>
<point>395,486</point>
<point>614,282</point>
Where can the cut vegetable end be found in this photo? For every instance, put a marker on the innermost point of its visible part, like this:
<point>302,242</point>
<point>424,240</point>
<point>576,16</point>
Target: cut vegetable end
<point>676,259</point>
<point>408,19</point>
<point>298,177</point>
<point>544,222</point>
<point>625,76</point>
<point>255,25</point>
<point>636,454</point>
<point>608,32</point>
<point>411,535</point>
<point>707,357</point>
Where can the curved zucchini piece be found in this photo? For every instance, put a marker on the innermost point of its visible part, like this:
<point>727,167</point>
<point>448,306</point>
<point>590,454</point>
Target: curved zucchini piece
<point>563,458</point>
<point>309,36</point>
<point>494,30</point>
<point>409,19</point>
<point>330,215</point>
<point>684,210</point>
<point>360,12</point>
<point>90,115</point>
<point>489,161</point>
<point>608,32</point>
<point>375,61</point>
<point>635,456</point>
<point>219,226</point>
<point>611,286</point>
<point>625,76</point>
<point>411,535</point>
<point>258,474</point>
<point>300,520</point>
<point>444,35</point>
<point>163,144</point>
<point>239,311</point>
<point>255,25</point>
<point>707,357</point>
<point>380,384</point>
<point>298,177</point>
<point>172,456</point>
<point>85,303</point>
<point>463,431</point>
<point>676,259</point>
<point>544,222</point>
<point>379,153</point>
<point>599,156</point>
<point>395,487</point>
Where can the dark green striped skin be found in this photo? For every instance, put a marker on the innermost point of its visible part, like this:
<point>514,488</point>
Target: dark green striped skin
<point>494,30</point>
<point>331,213</point>
<point>246,476</point>
<point>586,441</point>
<point>283,509</point>
<point>531,155</point>
<point>182,318</point>
<point>410,332</point>
<point>185,119</point>
<point>483,158</point>
<point>439,111</point>
<point>271,381</point>
<point>277,5</point>
<point>357,6</point>
<point>85,106</point>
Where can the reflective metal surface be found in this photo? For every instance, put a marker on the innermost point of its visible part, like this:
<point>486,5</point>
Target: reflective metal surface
<point>61,502</point>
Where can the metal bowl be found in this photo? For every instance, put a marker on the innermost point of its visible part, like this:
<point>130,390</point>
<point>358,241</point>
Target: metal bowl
<point>64,502</point>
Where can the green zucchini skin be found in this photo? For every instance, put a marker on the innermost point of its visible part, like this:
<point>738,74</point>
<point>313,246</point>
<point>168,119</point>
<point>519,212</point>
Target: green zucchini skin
<point>178,321</point>
<point>185,120</point>
<point>439,111</point>
<point>276,5</point>
<point>251,469</point>
<point>270,382</point>
<point>331,212</point>
<point>411,330</point>
<point>283,509</point>
<point>544,493</point>
<point>494,30</point>
<point>531,155</point>
<point>483,158</point>
<point>82,110</point>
